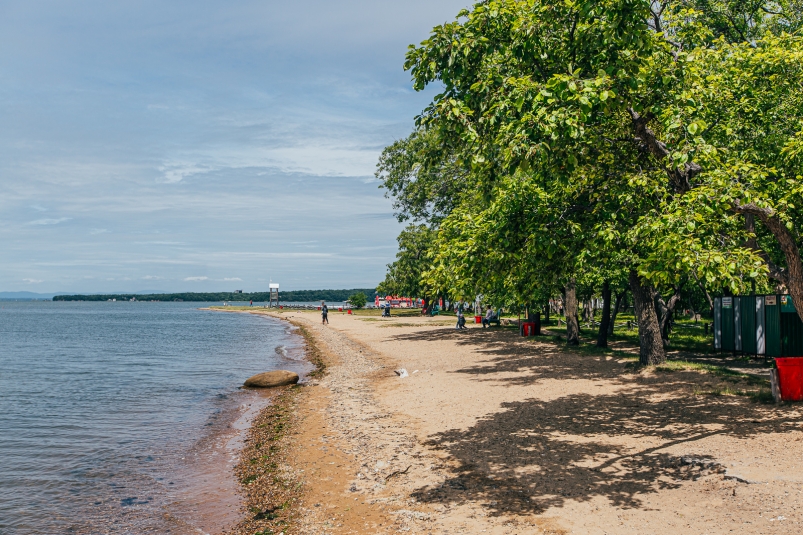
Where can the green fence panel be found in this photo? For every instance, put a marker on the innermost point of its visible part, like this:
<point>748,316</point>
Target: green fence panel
<point>728,342</point>
<point>787,305</point>
<point>772,325</point>
<point>718,323</point>
<point>737,324</point>
<point>748,312</point>
<point>761,327</point>
<point>791,329</point>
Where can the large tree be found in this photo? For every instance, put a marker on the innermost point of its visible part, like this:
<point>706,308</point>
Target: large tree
<point>549,88</point>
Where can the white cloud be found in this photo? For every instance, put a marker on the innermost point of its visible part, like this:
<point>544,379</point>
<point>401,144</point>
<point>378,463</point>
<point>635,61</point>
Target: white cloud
<point>32,281</point>
<point>176,172</point>
<point>196,279</point>
<point>49,221</point>
<point>96,231</point>
<point>39,208</point>
<point>152,278</point>
<point>234,279</point>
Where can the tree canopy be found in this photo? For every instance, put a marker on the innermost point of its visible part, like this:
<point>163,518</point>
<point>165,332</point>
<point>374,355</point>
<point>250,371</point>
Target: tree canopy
<point>657,143</point>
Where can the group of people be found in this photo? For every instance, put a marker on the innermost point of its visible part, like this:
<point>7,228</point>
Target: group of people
<point>490,316</point>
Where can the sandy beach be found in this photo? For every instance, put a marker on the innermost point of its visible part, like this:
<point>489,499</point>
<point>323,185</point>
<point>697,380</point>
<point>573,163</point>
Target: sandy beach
<point>493,433</point>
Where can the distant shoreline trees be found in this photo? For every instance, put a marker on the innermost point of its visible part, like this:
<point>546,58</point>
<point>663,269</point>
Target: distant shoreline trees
<point>287,297</point>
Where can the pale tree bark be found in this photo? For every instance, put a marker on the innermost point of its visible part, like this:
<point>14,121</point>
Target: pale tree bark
<point>602,336</point>
<point>667,312</point>
<point>616,308</point>
<point>792,276</point>
<point>570,310</point>
<point>707,295</point>
<point>588,312</point>
<point>651,349</point>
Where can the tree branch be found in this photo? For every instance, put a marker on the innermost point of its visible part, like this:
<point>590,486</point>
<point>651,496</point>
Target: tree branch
<point>680,179</point>
<point>794,267</point>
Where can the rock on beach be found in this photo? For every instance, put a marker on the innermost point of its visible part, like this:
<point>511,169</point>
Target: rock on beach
<point>271,379</point>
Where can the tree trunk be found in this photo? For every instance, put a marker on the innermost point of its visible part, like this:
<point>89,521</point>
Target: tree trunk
<point>650,342</point>
<point>534,316</point>
<point>570,308</point>
<point>792,276</point>
<point>617,307</point>
<point>667,314</point>
<point>707,295</point>
<point>546,313</point>
<point>588,312</point>
<point>602,337</point>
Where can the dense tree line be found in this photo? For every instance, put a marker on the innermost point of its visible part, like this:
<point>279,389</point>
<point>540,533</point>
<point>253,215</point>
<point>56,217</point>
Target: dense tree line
<point>597,147</point>
<point>298,296</point>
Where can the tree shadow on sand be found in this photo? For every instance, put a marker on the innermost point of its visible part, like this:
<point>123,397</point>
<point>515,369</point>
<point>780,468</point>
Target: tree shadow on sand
<point>536,454</point>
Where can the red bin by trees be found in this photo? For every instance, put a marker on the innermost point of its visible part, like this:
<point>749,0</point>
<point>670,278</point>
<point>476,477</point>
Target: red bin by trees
<point>790,378</point>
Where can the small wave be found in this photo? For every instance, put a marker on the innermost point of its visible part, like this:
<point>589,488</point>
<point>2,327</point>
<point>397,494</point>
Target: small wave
<point>282,350</point>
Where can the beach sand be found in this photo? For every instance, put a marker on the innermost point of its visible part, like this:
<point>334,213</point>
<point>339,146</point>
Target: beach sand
<point>498,434</point>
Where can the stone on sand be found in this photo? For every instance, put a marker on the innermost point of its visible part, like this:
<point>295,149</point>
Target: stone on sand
<point>271,379</point>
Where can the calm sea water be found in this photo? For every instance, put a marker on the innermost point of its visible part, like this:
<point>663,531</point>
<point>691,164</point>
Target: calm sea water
<point>102,403</point>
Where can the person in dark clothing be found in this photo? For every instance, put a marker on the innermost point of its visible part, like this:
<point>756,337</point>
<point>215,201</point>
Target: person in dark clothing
<point>324,313</point>
<point>461,320</point>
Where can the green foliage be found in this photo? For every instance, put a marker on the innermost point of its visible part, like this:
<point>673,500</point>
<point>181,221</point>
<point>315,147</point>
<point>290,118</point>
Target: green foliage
<point>424,179</point>
<point>358,300</point>
<point>262,297</point>
<point>588,139</point>
<point>404,276</point>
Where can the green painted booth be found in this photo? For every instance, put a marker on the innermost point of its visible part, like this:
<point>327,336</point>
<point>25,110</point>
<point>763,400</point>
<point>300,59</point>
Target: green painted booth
<point>764,325</point>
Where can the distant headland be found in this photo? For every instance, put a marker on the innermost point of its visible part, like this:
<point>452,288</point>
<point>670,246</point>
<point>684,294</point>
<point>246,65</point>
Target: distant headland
<point>288,297</point>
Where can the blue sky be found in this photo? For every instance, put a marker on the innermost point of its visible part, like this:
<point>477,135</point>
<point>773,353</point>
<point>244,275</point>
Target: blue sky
<point>201,146</point>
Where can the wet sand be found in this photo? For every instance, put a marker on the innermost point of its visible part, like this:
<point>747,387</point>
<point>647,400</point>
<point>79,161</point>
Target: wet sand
<point>208,498</point>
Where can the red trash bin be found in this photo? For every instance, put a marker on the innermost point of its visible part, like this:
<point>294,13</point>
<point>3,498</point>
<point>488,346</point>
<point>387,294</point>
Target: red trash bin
<point>790,378</point>
<point>349,311</point>
<point>477,319</point>
<point>528,329</point>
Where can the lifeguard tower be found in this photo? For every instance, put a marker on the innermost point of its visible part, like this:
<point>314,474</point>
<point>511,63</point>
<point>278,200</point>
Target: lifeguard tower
<point>274,295</point>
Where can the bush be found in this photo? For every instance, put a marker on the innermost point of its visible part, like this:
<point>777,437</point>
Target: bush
<point>358,300</point>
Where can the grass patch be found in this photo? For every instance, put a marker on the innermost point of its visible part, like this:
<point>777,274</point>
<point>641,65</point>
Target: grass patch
<point>721,372</point>
<point>375,312</point>
<point>686,335</point>
<point>761,395</point>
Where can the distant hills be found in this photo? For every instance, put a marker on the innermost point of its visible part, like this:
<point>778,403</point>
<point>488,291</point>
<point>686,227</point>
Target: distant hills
<point>24,296</point>
<point>260,297</point>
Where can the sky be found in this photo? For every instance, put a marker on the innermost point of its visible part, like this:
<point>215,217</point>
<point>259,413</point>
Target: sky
<point>202,145</point>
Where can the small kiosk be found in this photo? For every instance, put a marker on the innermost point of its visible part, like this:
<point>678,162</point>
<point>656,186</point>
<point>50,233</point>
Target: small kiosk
<point>766,326</point>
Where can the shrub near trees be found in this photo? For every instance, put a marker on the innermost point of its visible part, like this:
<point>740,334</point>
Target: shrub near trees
<point>604,143</point>
<point>358,300</point>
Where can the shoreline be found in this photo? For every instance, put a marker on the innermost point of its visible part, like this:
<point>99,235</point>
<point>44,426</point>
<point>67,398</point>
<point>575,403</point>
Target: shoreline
<point>496,433</point>
<point>268,487</point>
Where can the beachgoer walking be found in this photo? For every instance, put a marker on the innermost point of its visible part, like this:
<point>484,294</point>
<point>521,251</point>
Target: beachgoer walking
<point>461,319</point>
<point>324,313</point>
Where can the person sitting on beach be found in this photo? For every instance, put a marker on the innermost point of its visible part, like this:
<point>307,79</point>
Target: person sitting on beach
<point>489,316</point>
<point>386,311</point>
<point>324,313</point>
